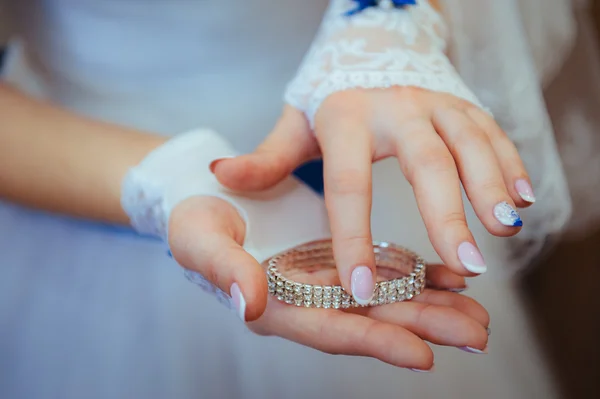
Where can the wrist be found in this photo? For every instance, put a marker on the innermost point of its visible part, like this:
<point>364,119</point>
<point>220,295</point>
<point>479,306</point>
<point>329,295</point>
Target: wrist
<point>170,174</point>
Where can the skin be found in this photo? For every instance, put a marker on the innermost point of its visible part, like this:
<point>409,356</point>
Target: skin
<point>440,142</point>
<point>49,157</point>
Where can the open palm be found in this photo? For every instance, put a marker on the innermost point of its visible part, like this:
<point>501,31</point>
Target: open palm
<point>393,333</point>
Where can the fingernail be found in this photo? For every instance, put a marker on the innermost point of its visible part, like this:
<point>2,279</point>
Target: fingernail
<point>213,164</point>
<point>525,191</point>
<point>238,301</point>
<point>473,350</point>
<point>423,371</point>
<point>458,290</point>
<point>489,331</point>
<point>507,215</point>
<point>362,285</point>
<point>471,258</point>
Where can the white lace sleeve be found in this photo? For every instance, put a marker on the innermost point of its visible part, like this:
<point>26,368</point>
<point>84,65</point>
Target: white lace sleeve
<point>179,169</point>
<point>377,47</point>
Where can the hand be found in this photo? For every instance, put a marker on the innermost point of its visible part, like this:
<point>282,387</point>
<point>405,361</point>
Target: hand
<point>440,142</point>
<point>205,235</point>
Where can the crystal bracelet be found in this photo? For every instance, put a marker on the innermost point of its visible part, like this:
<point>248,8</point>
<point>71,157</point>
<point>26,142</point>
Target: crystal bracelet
<point>318,255</point>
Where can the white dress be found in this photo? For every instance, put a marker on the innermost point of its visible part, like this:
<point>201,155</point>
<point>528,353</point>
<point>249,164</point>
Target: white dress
<point>92,311</point>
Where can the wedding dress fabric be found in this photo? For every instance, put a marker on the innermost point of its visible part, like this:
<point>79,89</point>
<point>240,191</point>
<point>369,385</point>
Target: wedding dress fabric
<point>376,48</point>
<point>94,311</point>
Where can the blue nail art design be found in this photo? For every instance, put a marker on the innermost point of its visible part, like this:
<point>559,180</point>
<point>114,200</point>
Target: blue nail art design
<point>364,4</point>
<point>507,215</point>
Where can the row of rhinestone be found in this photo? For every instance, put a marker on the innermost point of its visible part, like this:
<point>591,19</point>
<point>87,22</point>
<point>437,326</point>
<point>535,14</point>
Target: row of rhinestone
<point>318,296</point>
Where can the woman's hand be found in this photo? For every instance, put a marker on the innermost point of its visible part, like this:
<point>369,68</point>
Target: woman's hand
<point>440,142</point>
<point>205,236</point>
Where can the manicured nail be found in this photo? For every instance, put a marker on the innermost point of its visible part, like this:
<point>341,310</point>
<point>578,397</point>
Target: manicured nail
<point>458,290</point>
<point>423,371</point>
<point>362,285</point>
<point>471,258</point>
<point>525,191</point>
<point>213,164</point>
<point>474,350</point>
<point>507,215</point>
<point>238,301</point>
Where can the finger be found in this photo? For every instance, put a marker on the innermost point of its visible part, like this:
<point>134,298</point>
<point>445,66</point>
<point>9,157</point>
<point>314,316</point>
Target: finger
<point>515,175</point>
<point>479,171</point>
<point>430,169</point>
<point>340,333</point>
<point>211,247</point>
<point>290,144</point>
<point>440,325</point>
<point>442,278</point>
<point>347,158</point>
<point>461,303</point>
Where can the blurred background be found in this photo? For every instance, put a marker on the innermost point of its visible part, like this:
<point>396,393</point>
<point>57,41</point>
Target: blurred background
<point>568,326</point>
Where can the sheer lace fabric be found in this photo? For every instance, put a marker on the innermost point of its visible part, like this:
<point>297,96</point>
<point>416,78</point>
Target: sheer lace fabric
<point>377,48</point>
<point>506,61</point>
<point>503,54</point>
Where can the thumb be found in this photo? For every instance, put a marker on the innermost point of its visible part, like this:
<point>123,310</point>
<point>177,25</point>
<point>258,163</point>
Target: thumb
<point>205,236</point>
<point>290,144</point>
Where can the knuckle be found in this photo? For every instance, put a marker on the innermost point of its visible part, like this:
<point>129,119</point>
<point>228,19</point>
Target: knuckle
<point>493,186</point>
<point>425,151</point>
<point>454,220</point>
<point>408,95</point>
<point>347,102</point>
<point>432,161</point>
<point>452,225</point>
<point>471,138</point>
<point>357,240</point>
<point>359,246</point>
<point>420,313</point>
<point>349,182</point>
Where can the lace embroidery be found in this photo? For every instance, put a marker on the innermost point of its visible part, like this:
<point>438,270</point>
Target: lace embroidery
<point>142,200</point>
<point>377,48</point>
<point>209,288</point>
<point>170,174</point>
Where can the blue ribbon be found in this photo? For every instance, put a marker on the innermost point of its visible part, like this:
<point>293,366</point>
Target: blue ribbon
<point>364,4</point>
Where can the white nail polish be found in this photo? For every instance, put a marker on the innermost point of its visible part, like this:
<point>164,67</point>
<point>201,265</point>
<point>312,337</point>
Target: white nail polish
<point>507,215</point>
<point>362,285</point>
<point>525,191</point>
<point>527,197</point>
<point>471,258</point>
<point>423,371</point>
<point>239,302</point>
<point>473,350</point>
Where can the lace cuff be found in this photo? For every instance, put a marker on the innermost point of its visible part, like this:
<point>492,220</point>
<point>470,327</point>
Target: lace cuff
<point>287,214</point>
<point>170,174</point>
<point>379,47</point>
<point>177,170</point>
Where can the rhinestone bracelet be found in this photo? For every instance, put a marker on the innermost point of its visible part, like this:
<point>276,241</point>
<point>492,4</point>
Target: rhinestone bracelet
<point>319,254</point>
